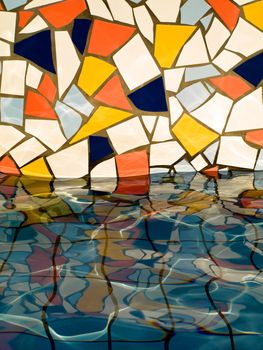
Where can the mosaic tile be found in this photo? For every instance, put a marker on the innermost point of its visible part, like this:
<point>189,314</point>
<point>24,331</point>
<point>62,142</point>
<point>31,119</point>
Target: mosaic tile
<point>121,11</point>
<point>34,26</point>
<point>193,135</point>
<point>144,22</point>
<point>250,105</point>
<point>150,97</point>
<point>132,60</point>
<point>193,10</point>
<point>127,135</point>
<point>67,61</point>
<point>233,151</point>
<point>12,110</point>
<point>167,11</point>
<point>88,84</point>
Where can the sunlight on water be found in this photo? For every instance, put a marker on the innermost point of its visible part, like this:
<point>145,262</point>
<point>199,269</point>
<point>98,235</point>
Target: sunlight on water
<point>174,264</point>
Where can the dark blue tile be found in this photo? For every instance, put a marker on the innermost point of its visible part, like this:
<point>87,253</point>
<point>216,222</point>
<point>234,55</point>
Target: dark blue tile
<point>252,69</point>
<point>99,148</point>
<point>80,33</point>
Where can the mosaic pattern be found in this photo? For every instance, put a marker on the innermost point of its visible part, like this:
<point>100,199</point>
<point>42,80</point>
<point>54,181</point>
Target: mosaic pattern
<point>116,88</point>
<point>178,267</point>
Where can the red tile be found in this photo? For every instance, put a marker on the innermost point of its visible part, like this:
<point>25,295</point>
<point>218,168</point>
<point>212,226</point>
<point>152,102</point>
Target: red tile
<point>232,85</point>
<point>227,11</point>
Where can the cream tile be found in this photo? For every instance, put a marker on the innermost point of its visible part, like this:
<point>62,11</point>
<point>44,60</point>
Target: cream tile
<point>165,10</point>
<point>173,78</point>
<point>162,130</point>
<point>245,39</point>
<point>135,63</point>
<point>27,151</point>
<point>9,137</point>
<point>211,151</point>
<point>13,77</point>
<point>35,25</point>
<point>72,162</point>
<point>176,110</point>
<point>5,49</point>
<point>165,153</point>
<point>199,163</point>
<point>194,51</point>
<point>7,25</point>
<point>46,131</point>
<point>33,76</point>
<point>214,112</point>
<point>216,36</point>
<point>99,9</point>
<point>104,169</point>
<point>233,151</point>
<point>37,3</point>
<point>121,11</point>
<point>127,135</point>
<point>149,122</point>
<point>144,22</point>
<point>247,113</point>
<point>226,60</point>
<point>67,60</point>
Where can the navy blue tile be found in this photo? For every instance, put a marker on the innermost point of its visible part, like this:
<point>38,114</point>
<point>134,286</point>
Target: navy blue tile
<point>252,69</point>
<point>99,148</point>
<point>150,97</point>
<point>80,33</point>
<point>37,48</point>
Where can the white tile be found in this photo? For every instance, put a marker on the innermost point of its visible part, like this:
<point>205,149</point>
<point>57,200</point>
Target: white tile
<point>165,10</point>
<point>173,78</point>
<point>194,51</point>
<point>67,60</point>
<point>234,151</point>
<point>135,63</point>
<point>144,22</point>
<point>127,135</point>
<point>214,112</point>
<point>184,167</point>
<point>162,130</point>
<point>149,122</point>
<point>216,36</point>
<point>38,3</point>
<point>9,137</point>
<point>72,162</point>
<point>33,76</point>
<point>165,153</point>
<point>13,77</point>
<point>46,131</point>
<point>7,26</point>
<point>226,60</point>
<point>99,9</point>
<point>211,151</point>
<point>247,113</point>
<point>104,169</point>
<point>243,2</point>
<point>27,151</point>
<point>176,110</point>
<point>121,11</point>
<point>5,49</point>
<point>35,25</point>
<point>245,39</point>
<point>199,163</point>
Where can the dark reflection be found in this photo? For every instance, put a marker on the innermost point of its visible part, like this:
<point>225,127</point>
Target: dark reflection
<point>171,264</point>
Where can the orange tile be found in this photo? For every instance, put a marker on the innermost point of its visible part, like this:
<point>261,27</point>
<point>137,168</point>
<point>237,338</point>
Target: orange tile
<point>38,106</point>
<point>211,171</point>
<point>24,17</point>
<point>106,37</point>
<point>132,164</point>
<point>112,94</point>
<point>62,13</point>
<point>232,85</point>
<point>227,11</point>
<point>48,88</point>
<point>8,166</point>
<point>1,7</point>
<point>133,185</point>
<point>255,137</point>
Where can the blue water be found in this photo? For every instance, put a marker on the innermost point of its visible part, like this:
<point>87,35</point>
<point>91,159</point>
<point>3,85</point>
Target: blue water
<point>174,264</point>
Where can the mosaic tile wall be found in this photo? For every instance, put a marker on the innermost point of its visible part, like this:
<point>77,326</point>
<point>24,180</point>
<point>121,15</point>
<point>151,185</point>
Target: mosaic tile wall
<point>120,88</point>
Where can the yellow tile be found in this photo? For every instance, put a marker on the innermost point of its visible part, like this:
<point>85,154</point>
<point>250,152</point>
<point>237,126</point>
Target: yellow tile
<point>169,39</point>
<point>254,13</point>
<point>103,118</point>
<point>193,135</point>
<point>38,168</point>
<point>93,74</point>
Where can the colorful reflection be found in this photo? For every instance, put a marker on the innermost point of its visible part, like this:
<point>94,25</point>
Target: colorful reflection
<point>177,266</point>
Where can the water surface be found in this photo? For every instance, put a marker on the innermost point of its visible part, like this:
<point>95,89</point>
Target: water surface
<point>171,264</point>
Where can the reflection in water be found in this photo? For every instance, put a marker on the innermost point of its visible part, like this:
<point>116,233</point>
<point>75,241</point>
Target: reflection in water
<point>175,265</point>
